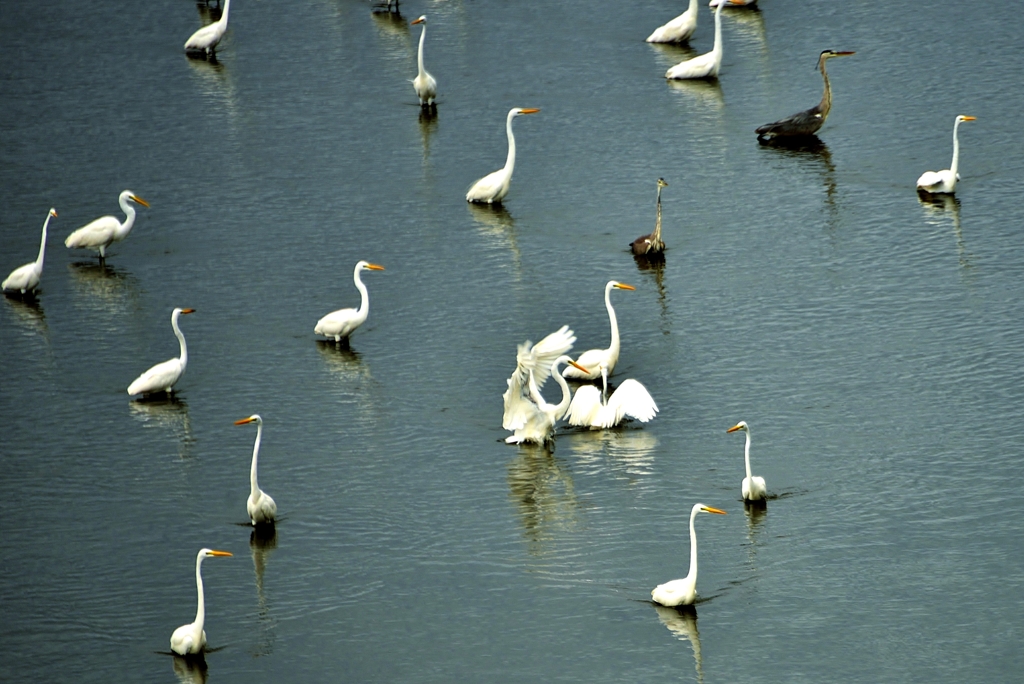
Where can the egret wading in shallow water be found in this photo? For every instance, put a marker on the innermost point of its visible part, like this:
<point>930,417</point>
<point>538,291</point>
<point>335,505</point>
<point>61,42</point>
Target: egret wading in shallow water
<point>679,29</point>
<point>944,181</point>
<point>493,187</point>
<point>260,506</point>
<point>753,487</point>
<point>542,428</point>
<point>594,360</point>
<point>190,639</point>
<point>163,376</point>
<point>343,322</point>
<point>706,65</point>
<point>26,278</point>
<point>682,592</point>
<point>807,122</point>
<point>651,244</point>
<point>105,230</point>
<point>207,38</point>
<point>594,409</point>
<point>424,84</point>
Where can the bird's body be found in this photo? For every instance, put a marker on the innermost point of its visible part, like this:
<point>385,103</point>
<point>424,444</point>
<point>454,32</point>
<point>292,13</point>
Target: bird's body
<point>101,233</point>
<point>596,359</point>
<point>493,187</point>
<point>534,363</point>
<point>260,506</point>
<point>679,29</point>
<point>163,376</point>
<point>703,66</point>
<point>807,122</point>
<point>424,84</point>
<point>753,487</point>
<point>742,3</point>
<point>595,409</point>
<point>683,592</point>
<point>651,244</point>
<point>26,278</point>
<point>343,322</point>
<point>208,37</point>
<point>190,639</point>
<point>936,182</point>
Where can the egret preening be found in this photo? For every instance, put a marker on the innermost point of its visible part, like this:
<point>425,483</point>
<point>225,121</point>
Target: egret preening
<point>706,65</point>
<point>260,506</point>
<point>26,278</point>
<point>163,376</point>
<point>343,322</point>
<point>753,487</point>
<point>105,230</point>
<point>651,244</point>
<point>493,187</point>
<point>424,84</point>
<point>807,122</point>
<point>534,363</point>
<point>679,29</point>
<point>682,592</point>
<point>190,639</point>
<point>944,181</point>
<point>594,409</point>
<point>593,360</point>
<point>206,39</point>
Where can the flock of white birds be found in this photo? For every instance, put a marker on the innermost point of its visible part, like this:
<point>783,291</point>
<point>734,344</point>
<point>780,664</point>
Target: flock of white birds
<point>527,414</point>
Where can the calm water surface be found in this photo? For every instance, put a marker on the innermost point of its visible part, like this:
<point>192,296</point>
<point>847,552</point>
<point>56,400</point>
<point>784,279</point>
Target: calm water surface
<point>873,342</point>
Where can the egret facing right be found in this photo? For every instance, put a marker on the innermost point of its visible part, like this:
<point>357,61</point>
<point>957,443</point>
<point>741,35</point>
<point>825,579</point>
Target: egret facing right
<point>524,414</point>
<point>104,231</point>
<point>343,322</point>
<point>163,376</point>
<point>753,487</point>
<point>944,181</point>
<point>493,187</point>
<point>807,122</point>
<point>207,38</point>
<point>683,592</point>
<point>26,278</point>
<point>190,639</point>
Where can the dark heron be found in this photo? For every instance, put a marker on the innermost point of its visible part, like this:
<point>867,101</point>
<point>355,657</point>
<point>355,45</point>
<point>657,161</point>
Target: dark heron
<point>652,244</point>
<point>809,121</point>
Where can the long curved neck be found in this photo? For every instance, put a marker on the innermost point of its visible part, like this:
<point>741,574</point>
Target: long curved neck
<point>423,35</point>
<point>614,346</point>
<point>201,607</point>
<point>956,149</point>
<point>42,241</point>
<point>692,9</point>
<point>657,220</point>
<point>692,575</point>
<point>563,405</point>
<point>746,452</point>
<point>717,49</point>
<point>224,15</point>
<point>364,296</point>
<point>510,161</point>
<point>183,355</point>
<point>129,221</point>
<point>254,486</point>
<point>826,98</point>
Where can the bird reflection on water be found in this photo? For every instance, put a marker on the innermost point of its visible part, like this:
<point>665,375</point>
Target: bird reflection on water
<point>938,208</point>
<point>542,489</point>
<point>28,312</point>
<point>262,542</point>
<point>496,223</point>
<point>811,153</point>
<point>682,622</point>
<point>190,670</point>
<point>342,361</point>
<point>624,450</point>
<point>166,413</point>
<point>428,126</point>
<point>706,93</point>
<point>105,287</point>
<point>653,266</point>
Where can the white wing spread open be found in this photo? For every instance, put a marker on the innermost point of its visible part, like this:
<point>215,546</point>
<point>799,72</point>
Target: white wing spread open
<point>519,407</point>
<point>630,399</point>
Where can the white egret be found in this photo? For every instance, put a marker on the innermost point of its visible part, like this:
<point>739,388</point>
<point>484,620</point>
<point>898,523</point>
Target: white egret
<point>207,38</point>
<point>753,487</point>
<point>533,366</point>
<point>99,234</point>
<point>493,187</point>
<point>26,278</point>
<point>651,244</point>
<point>190,639</point>
<point>343,322</point>
<point>744,3</point>
<point>706,65</point>
<point>807,122</point>
<point>424,84</point>
<point>162,376</point>
<point>682,592</point>
<point>541,426</point>
<point>595,409</point>
<point>945,181</point>
<point>260,506</point>
<point>679,29</point>
<point>596,359</point>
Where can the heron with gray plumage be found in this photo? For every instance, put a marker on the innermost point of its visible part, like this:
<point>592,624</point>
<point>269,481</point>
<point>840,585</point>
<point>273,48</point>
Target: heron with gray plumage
<point>805,123</point>
<point>651,244</point>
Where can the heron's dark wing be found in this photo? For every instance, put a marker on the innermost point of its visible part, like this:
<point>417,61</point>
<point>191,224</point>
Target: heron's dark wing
<point>806,122</point>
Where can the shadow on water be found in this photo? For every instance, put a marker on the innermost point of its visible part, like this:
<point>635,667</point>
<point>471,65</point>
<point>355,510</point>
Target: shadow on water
<point>682,622</point>
<point>262,542</point>
<point>544,495</point>
<point>496,223</point>
<point>190,670</point>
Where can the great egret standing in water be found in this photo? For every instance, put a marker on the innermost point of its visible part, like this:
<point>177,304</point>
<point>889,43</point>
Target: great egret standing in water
<point>706,65</point>
<point>343,322</point>
<point>493,187</point>
<point>99,234</point>
<point>190,639</point>
<point>593,360</point>
<point>945,181</point>
<point>260,506</point>
<point>26,278</point>
<point>595,409</point>
<point>542,427</point>
<point>753,487</point>
<point>424,84</point>
<point>679,29</point>
<point>807,122</point>
<point>651,244</point>
<point>534,363</point>
<point>683,592</point>
<point>163,376</point>
<point>208,37</point>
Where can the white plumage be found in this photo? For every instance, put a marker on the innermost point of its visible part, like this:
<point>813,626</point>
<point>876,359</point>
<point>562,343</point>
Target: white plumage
<point>163,376</point>
<point>679,29</point>
<point>493,187</point>
<point>753,488</point>
<point>706,65</point>
<point>260,506</point>
<point>589,408</point>
<point>945,181</point>
<point>343,322</point>
<point>683,592</point>
<point>596,359</point>
<point>99,234</point>
<point>26,278</point>
<point>424,84</point>
<point>208,37</point>
<point>190,639</point>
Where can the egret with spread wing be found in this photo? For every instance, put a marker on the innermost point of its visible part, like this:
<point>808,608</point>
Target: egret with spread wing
<point>753,487</point>
<point>208,37</point>
<point>594,409</point>
<point>424,84</point>
<point>163,376</point>
<point>807,122</point>
<point>596,359</point>
<point>706,65</point>
<point>651,244</point>
<point>534,363</point>
<point>683,592</point>
<point>493,187</point>
<point>99,234</point>
<point>190,639</point>
<point>679,29</point>
<point>944,181</point>
<point>26,278</point>
<point>343,322</point>
<point>260,506</point>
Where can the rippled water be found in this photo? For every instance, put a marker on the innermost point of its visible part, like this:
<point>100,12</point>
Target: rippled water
<point>871,340</point>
